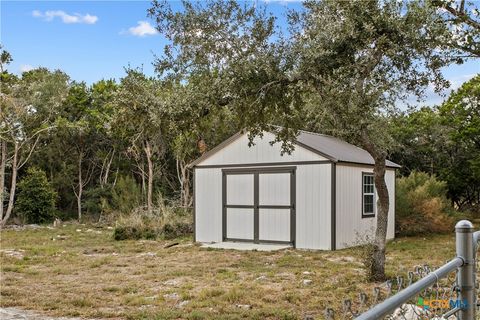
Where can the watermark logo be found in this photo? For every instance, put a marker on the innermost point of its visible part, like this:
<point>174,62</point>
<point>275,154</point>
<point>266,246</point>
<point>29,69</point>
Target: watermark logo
<point>427,304</point>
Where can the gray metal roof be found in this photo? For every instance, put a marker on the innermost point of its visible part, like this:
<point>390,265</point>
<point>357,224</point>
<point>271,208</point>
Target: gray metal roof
<point>336,149</point>
<point>330,147</point>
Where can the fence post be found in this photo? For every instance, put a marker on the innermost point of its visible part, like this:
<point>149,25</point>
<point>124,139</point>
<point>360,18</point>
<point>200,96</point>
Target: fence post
<point>466,273</point>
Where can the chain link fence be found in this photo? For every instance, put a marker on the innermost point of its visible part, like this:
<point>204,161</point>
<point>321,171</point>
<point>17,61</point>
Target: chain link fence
<point>448,292</point>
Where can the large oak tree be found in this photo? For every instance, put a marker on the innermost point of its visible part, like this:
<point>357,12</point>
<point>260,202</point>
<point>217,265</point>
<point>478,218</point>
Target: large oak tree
<point>341,65</point>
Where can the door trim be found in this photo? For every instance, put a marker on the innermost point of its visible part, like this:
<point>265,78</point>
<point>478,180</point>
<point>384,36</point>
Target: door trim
<point>256,206</point>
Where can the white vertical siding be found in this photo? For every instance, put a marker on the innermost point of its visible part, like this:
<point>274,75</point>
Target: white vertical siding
<point>208,205</point>
<point>238,152</point>
<point>351,228</point>
<point>313,206</point>
<point>390,180</point>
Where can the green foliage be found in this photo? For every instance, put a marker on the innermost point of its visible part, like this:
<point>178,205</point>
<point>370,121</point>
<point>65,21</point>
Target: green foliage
<point>418,134</point>
<point>97,199</point>
<point>137,226</point>
<point>126,195</point>
<point>168,224</point>
<point>445,141</point>
<point>36,198</point>
<point>177,223</point>
<point>365,249</point>
<point>459,164</point>
<point>422,205</point>
<point>462,19</point>
<point>5,57</point>
<point>342,67</point>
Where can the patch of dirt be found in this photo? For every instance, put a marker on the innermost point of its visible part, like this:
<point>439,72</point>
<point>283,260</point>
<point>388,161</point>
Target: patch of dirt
<point>18,254</point>
<point>173,282</point>
<point>19,314</point>
<point>98,252</point>
<point>17,227</point>
<point>342,259</point>
<point>286,275</point>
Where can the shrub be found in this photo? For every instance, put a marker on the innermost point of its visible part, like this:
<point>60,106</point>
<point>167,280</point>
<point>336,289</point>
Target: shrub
<point>364,249</point>
<point>137,225</point>
<point>168,223</point>
<point>126,195</point>
<point>422,205</point>
<point>177,223</point>
<point>113,201</point>
<point>97,199</point>
<point>36,198</point>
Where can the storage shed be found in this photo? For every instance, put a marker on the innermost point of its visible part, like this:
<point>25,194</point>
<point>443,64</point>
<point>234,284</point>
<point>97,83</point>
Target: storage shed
<point>321,196</point>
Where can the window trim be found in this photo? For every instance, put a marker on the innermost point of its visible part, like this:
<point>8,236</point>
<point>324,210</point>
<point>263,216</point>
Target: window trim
<point>368,215</point>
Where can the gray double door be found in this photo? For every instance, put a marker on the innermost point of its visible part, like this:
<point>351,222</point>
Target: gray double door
<point>259,205</point>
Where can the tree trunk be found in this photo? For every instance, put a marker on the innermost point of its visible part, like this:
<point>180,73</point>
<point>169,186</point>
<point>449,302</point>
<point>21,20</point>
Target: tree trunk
<point>13,187</point>
<point>79,202</point>
<point>116,177</point>
<point>107,170</point>
<point>383,205</point>
<point>377,271</point>
<point>148,153</point>
<point>142,172</point>
<point>184,179</point>
<point>80,188</point>
<point>3,160</point>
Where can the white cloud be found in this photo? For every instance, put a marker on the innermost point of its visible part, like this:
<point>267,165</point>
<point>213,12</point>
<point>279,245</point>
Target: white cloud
<point>456,82</point>
<point>25,68</point>
<point>36,14</point>
<point>433,98</point>
<point>65,17</point>
<point>143,29</point>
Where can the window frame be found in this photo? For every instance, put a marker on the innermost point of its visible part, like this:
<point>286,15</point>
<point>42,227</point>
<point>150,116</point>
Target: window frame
<point>373,214</point>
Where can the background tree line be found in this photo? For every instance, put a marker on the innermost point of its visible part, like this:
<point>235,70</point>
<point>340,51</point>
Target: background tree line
<point>342,68</point>
<point>90,142</point>
<point>104,147</point>
<point>445,141</point>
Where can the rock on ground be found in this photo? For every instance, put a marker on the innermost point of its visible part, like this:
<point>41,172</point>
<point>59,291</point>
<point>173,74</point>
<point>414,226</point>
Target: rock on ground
<point>19,314</point>
<point>413,312</point>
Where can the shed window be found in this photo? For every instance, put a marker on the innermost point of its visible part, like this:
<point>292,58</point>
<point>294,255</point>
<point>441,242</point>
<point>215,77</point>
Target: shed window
<point>368,195</point>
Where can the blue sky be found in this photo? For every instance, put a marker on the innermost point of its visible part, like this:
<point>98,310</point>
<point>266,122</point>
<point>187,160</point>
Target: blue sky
<point>92,40</point>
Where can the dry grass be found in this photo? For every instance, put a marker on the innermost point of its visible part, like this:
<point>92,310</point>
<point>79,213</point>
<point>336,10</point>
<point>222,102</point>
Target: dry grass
<point>88,274</point>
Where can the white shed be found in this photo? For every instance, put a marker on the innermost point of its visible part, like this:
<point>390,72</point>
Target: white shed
<point>321,196</point>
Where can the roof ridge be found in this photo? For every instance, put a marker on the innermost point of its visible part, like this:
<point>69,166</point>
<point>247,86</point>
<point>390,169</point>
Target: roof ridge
<point>315,133</point>
<point>346,143</point>
<point>330,136</point>
<point>336,138</point>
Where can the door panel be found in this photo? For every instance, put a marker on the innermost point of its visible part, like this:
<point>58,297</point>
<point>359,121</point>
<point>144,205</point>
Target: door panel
<point>240,189</point>
<point>274,224</point>
<point>258,205</point>
<point>240,223</point>
<point>274,189</point>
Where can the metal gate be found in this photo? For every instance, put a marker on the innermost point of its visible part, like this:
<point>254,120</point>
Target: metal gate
<point>259,205</point>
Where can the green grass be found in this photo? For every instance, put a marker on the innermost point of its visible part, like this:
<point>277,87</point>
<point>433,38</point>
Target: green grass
<point>90,275</point>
